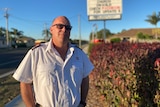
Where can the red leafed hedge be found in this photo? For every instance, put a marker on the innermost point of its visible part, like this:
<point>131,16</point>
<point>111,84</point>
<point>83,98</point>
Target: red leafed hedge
<point>125,75</point>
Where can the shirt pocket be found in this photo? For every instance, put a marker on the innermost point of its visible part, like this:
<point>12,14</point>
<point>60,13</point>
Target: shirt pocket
<point>44,73</point>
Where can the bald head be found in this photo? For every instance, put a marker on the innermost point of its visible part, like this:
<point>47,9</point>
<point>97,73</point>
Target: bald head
<point>60,31</point>
<point>64,20</point>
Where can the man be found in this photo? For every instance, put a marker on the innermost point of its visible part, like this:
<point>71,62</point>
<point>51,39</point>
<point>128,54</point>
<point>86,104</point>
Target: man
<point>57,69</point>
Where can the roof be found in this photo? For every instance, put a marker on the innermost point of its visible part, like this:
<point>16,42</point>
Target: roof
<point>134,32</point>
<point>25,38</point>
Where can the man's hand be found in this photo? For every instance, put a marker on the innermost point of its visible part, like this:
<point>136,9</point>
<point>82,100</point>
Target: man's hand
<point>27,94</point>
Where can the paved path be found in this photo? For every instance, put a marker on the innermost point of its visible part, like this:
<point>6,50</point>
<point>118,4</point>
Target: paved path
<point>85,48</point>
<point>16,102</point>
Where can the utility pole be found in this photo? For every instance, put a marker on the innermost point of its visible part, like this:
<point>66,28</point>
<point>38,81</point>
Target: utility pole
<point>79,28</point>
<point>46,32</point>
<point>92,40</point>
<point>104,31</point>
<point>6,16</point>
<point>96,31</point>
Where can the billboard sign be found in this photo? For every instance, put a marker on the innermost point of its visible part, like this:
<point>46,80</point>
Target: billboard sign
<point>103,7</point>
<point>104,17</point>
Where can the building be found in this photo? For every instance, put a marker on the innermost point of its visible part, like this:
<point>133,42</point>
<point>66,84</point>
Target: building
<point>3,42</point>
<point>131,35</point>
<point>25,41</point>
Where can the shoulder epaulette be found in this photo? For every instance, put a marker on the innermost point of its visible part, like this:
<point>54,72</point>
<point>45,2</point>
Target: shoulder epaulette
<point>36,46</point>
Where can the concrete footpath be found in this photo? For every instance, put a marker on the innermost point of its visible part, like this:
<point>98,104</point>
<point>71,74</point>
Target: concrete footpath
<point>16,102</point>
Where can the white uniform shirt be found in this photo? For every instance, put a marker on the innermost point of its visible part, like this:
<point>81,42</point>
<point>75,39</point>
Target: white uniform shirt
<point>56,82</point>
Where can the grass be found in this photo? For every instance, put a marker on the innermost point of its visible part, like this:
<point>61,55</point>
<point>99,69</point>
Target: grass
<point>9,89</point>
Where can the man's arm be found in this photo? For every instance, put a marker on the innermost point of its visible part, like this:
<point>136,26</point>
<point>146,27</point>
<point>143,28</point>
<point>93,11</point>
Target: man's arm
<point>84,89</point>
<point>27,94</point>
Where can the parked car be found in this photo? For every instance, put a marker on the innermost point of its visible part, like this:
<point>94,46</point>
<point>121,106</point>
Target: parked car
<point>98,41</point>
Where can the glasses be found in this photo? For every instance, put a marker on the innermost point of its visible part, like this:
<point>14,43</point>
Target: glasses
<point>60,26</point>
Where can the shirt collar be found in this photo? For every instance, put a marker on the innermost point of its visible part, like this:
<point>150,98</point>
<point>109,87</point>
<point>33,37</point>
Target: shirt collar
<point>51,48</point>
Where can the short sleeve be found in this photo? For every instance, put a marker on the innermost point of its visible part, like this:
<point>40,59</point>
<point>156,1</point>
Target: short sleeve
<point>87,65</point>
<point>24,71</point>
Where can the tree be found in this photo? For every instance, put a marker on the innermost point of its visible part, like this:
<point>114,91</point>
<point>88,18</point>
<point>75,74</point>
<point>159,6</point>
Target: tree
<point>101,33</point>
<point>153,19</point>
<point>16,33</point>
<point>2,31</point>
<point>47,34</point>
<point>123,30</point>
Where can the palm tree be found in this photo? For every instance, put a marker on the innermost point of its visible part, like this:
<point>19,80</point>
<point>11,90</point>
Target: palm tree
<point>2,31</point>
<point>47,34</point>
<point>153,19</point>
<point>16,33</point>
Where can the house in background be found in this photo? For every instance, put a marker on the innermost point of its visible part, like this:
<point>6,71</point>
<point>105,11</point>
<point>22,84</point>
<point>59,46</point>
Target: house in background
<point>24,42</point>
<point>3,42</point>
<point>132,35</point>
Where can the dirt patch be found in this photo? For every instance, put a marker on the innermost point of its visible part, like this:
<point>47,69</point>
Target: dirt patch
<point>9,89</point>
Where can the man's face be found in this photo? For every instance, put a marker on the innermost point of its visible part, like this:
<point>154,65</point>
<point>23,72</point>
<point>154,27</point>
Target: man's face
<point>60,30</point>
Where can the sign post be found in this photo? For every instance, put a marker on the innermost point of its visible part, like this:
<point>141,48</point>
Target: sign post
<point>104,10</point>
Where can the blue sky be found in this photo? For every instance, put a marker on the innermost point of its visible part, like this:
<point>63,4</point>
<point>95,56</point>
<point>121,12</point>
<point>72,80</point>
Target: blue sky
<point>33,16</point>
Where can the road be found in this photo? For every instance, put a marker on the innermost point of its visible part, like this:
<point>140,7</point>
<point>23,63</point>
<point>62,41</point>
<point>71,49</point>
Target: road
<point>10,59</point>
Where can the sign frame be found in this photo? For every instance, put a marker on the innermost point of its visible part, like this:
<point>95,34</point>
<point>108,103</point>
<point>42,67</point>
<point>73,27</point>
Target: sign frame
<point>104,17</point>
<point>101,7</point>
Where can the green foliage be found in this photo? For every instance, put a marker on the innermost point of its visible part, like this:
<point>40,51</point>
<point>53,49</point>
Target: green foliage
<point>115,40</point>
<point>140,35</point>
<point>125,75</point>
<point>2,31</point>
<point>90,47</point>
<point>153,19</point>
<point>100,34</point>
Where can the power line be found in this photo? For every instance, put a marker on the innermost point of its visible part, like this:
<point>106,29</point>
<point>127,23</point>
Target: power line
<point>29,20</point>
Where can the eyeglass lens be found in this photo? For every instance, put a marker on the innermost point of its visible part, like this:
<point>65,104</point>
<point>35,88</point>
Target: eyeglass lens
<point>60,26</point>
